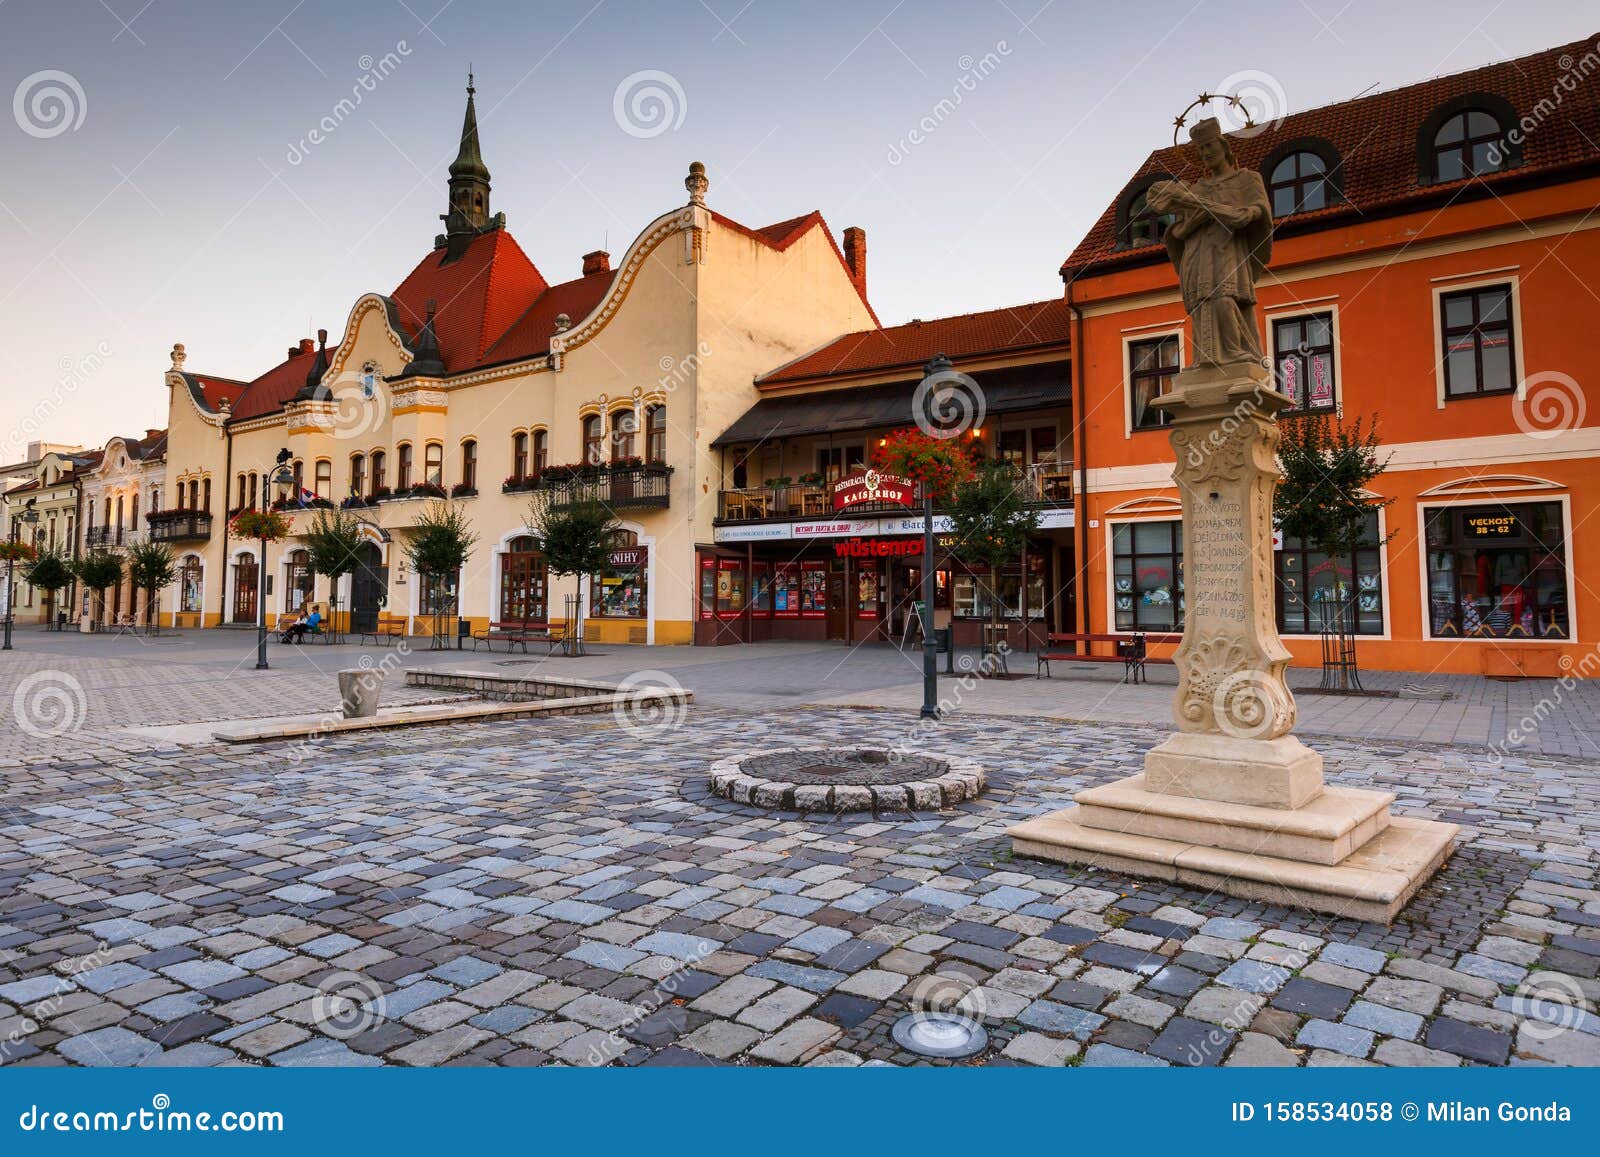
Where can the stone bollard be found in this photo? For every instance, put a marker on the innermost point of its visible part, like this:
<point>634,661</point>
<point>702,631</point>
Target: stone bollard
<point>358,692</point>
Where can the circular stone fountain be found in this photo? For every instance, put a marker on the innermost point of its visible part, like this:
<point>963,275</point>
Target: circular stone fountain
<point>846,779</point>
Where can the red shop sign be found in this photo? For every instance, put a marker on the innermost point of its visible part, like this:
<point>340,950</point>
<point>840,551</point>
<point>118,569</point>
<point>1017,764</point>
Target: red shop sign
<point>877,547</point>
<point>870,486</point>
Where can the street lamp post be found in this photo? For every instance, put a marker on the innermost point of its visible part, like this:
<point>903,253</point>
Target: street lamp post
<point>939,366</point>
<point>280,478</point>
<point>27,517</point>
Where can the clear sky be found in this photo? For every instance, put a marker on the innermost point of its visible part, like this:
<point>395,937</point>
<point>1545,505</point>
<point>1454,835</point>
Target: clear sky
<point>179,196</point>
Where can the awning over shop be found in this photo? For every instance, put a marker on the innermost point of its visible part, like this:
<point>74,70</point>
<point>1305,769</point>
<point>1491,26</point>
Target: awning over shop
<point>878,407</point>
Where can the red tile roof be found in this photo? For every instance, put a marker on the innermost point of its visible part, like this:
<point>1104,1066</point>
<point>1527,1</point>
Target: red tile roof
<point>477,296</point>
<point>1015,328</point>
<point>529,336</point>
<point>1376,139</point>
<point>274,388</point>
<point>212,390</point>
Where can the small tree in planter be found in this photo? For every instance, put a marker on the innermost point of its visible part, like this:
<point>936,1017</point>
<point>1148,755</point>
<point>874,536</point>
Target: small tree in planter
<point>50,571</point>
<point>98,571</point>
<point>150,567</point>
<point>442,541</point>
<point>1322,499</point>
<point>575,540</point>
<point>992,522</point>
<point>333,544</point>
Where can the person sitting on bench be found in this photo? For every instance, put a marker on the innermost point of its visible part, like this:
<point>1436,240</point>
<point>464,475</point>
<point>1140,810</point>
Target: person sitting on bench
<point>311,621</point>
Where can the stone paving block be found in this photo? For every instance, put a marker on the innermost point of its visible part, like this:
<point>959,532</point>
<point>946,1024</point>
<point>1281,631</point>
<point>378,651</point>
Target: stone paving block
<point>1049,1016</point>
<point>1192,1042</point>
<point>1418,996</point>
<point>1257,1050</point>
<point>1312,998</point>
<point>1353,956</point>
<point>1341,1038</point>
<point>113,1047</point>
<point>721,1039</point>
<point>1455,981</point>
<point>1254,976</point>
<point>1035,1048</point>
<point>1110,1056</point>
<point>1383,1020</point>
<point>1410,1055</point>
<point>776,1009</point>
<point>1225,928</point>
<point>1468,1040</point>
<point>791,1044</point>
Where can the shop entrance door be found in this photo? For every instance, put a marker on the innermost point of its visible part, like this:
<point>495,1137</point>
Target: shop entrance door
<point>368,585</point>
<point>1063,612</point>
<point>244,591</point>
<point>838,605</point>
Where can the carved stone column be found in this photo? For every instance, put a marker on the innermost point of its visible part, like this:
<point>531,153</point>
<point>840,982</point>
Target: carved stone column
<point>1233,707</point>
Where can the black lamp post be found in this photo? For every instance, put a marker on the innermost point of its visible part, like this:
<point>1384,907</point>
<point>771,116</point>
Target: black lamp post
<point>280,478</point>
<point>938,367</point>
<point>27,516</point>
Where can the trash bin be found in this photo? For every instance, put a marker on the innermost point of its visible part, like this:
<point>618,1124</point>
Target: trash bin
<point>942,646</point>
<point>463,631</point>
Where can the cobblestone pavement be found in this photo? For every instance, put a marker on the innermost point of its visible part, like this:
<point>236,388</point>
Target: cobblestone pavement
<point>568,891</point>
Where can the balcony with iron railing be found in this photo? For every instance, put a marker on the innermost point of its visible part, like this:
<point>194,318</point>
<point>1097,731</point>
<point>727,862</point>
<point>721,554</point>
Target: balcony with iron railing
<point>618,486</point>
<point>179,525</point>
<point>106,537</point>
<point>1046,484</point>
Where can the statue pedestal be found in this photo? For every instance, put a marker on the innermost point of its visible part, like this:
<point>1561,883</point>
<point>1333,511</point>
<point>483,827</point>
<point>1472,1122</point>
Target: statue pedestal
<point>1232,801</point>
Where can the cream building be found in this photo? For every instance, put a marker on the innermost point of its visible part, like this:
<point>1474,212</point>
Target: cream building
<point>53,488</point>
<point>479,378</point>
<point>120,491</point>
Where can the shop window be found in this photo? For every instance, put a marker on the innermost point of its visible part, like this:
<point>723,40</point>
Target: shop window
<point>1151,367</point>
<point>722,588</point>
<point>761,590</point>
<point>1478,354</point>
<point>869,593</point>
<point>1313,587</point>
<point>438,593</point>
<point>619,590</point>
<point>189,581</point>
<point>1498,572</point>
<point>785,593</point>
<point>1147,575</point>
<point>974,595</point>
<point>1303,349</point>
<point>297,591</point>
<point>469,465</point>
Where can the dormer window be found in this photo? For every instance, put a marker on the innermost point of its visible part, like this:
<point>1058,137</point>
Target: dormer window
<point>1137,226</point>
<point>369,379</point>
<point>1470,136</point>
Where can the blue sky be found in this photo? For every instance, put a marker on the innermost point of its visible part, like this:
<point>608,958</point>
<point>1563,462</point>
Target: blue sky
<point>182,199</point>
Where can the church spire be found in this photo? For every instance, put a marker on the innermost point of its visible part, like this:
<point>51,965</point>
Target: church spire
<point>468,211</point>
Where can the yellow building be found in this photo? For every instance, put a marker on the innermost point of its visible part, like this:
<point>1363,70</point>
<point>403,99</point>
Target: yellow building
<point>53,488</point>
<point>481,379</point>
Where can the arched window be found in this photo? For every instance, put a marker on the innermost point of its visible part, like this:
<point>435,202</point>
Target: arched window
<point>1471,135</point>
<point>1136,225</point>
<point>324,484</point>
<point>1298,184</point>
<point>133,514</point>
<point>380,471</point>
<point>523,582</point>
<point>519,456</point>
<point>299,472</point>
<point>402,466</point>
<point>594,440</point>
<point>469,465</point>
<point>243,498</point>
<point>433,463</point>
<point>297,591</point>
<point>194,493</point>
<point>190,574</point>
<point>358,475</point>
<point>655,422</point>
<point>205,503</point>
<point>541,450</point>
<point>1467,144</point>
<point>252,490</point>
<point>624,424</point>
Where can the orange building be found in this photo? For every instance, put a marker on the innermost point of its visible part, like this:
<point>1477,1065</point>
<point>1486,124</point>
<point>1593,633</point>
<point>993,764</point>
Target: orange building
<point>1435,265</point>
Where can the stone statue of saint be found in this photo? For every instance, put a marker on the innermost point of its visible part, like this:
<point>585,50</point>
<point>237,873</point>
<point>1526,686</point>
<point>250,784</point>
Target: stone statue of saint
<point>1220,241</point>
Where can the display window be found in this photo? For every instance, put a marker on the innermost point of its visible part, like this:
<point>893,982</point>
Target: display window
<point>869,593</point>
<point>1147,575</point>
<point>786,591</point>
<point>1312,586</point>
<point>1498,572</point>
<point>619,590</point>
<point>813,590</point>
<point>761,589</point>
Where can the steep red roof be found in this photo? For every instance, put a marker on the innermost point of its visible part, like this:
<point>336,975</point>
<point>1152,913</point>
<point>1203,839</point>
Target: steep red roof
<point>274,388</point>
<point>477,296</point>
<point>1018,327</point>
<point>529,335</point>
<point>1376,141</point>
<point>783,234</point>
<point>212,390</point>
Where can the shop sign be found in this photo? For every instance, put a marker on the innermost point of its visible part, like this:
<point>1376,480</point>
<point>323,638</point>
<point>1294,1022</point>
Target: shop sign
<point>877,548</point>
<point>1501,525</point>
<point>871,486</point>
<point>633,556</point>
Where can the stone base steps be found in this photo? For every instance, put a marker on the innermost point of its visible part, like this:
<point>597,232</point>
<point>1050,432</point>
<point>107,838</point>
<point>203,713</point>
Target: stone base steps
<point>508,688</point>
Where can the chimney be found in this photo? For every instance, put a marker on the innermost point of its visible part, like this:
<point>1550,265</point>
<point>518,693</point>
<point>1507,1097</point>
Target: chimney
<point>306,346</point>
<point>855,256</point>
<point>149,433</point>
<point>597,262</point>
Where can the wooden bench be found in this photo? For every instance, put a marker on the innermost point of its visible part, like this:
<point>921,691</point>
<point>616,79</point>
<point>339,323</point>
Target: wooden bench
<point>286,621</point>
<point>387,627</point>
<point>519,633</point>
<point>1131,652</point>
